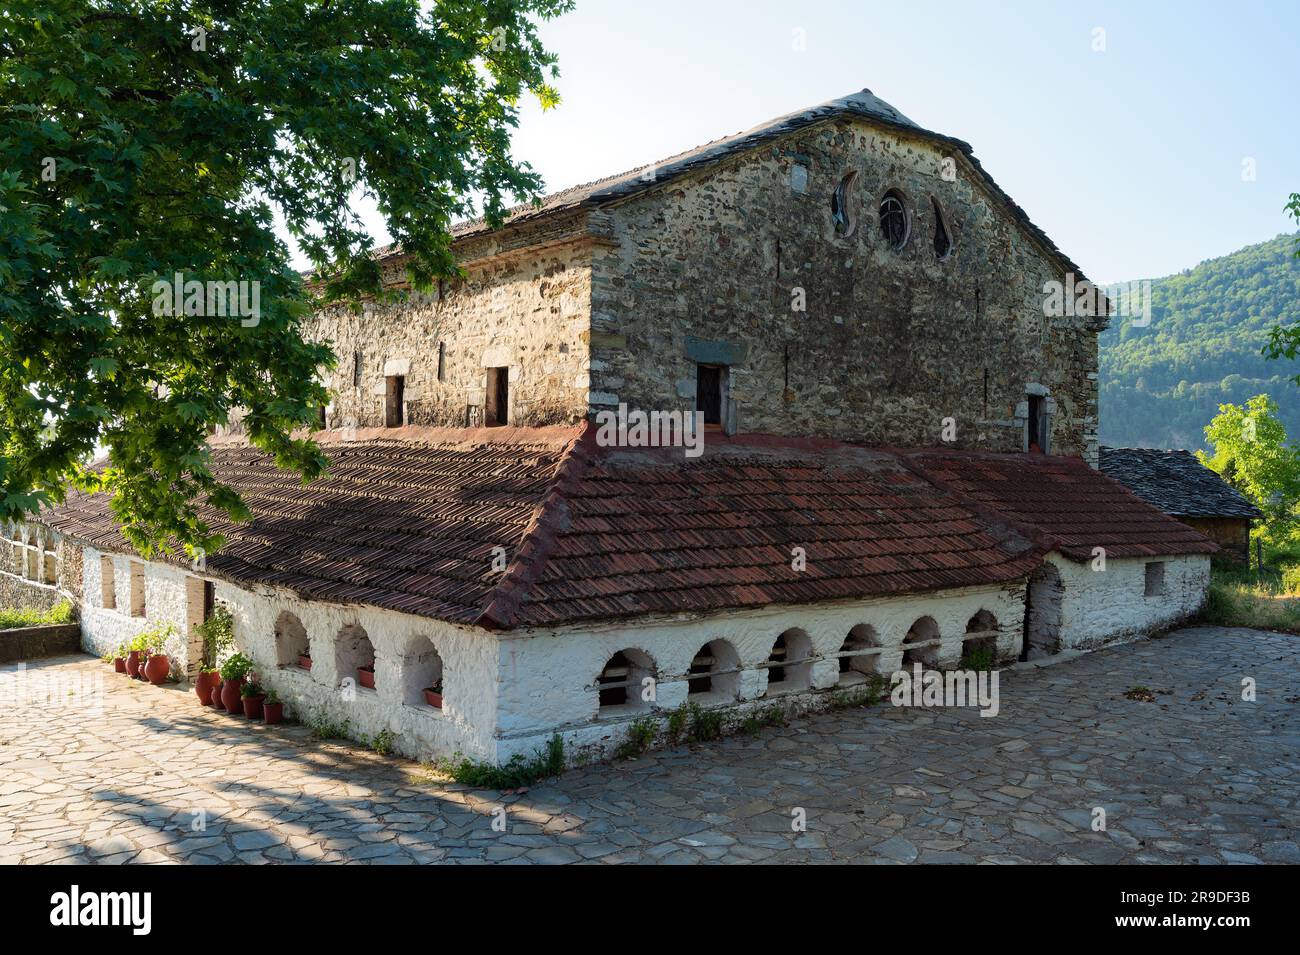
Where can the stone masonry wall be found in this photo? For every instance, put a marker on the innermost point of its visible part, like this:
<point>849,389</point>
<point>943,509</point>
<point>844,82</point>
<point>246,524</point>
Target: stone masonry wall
<point>527,310</point>
<point>891,342</point>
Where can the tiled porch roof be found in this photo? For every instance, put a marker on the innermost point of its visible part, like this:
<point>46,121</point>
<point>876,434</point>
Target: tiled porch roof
<point>1072,506</point>
<point>408,520</point>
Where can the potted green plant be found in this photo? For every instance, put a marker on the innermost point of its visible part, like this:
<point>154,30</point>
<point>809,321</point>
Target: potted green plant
<point>136,650</point>
<point>233,672</point>
<point>218,634</point>
<point>366,676</point>
<point>272,708</point>
<point>433,695</point>
<point>119,658</point>
<point>158,667</point>
<point>252,695</point>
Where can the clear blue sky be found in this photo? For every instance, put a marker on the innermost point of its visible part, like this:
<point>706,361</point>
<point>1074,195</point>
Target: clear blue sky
<point>1130,159</point>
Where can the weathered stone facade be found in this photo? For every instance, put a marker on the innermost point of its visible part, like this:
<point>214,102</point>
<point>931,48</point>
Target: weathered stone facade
<point>524,310</point>
<point>825,328</point>
<point>892,340</point>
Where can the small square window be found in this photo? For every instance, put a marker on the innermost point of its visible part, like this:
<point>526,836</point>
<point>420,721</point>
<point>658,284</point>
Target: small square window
<point>496,411</point>
<point>1155,578</point>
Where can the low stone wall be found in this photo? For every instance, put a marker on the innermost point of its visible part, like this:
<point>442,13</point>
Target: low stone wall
<point>16,592</point>
<point>31,643</point>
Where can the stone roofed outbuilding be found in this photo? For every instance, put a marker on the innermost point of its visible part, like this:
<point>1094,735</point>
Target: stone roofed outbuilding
<point>1180,485</point>
<point>895,469</point>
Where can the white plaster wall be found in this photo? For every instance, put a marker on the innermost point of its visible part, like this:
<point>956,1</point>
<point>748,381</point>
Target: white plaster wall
<point>1102,606</point>
<point>469,656</point>
<point>547,677</point>
<point>103,629</point>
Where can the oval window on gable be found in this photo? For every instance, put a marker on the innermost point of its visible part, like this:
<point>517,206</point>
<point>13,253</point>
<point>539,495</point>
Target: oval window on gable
<point>894,225</point>
<point>841,213</point>
<point>942,237</point>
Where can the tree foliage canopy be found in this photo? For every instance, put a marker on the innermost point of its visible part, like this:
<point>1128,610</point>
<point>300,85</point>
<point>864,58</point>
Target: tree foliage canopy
<point>140,139</point>
<point>1252,453</point>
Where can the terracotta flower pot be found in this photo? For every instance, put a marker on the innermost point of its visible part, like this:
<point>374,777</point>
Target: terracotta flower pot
<point>214,698</point>
<point>272,712</point>
<point>253,706</point>
<point>304,661</point>
<point>432,698</point>
<point>158,669</point>
<point>230,696</point>
<point>119,665</point>
<point>203,687</point>
<point>133,663</point>
<point>366,676</point>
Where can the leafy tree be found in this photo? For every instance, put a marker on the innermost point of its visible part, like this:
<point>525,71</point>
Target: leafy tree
<point>142,139</point>
<point>1252,453</point>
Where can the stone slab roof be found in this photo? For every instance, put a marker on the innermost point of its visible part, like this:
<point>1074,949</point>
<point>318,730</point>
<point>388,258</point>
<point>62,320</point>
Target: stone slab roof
<point>1176,482</point>
<point>1069,506</point>
<point>409,520</point>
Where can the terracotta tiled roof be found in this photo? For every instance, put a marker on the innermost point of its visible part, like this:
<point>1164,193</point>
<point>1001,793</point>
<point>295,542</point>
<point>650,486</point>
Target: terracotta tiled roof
<point>1072,507</point>
<point>652,532</point>
<point>408,520</point>
<point>1176,482</point>
<point>405,524</point>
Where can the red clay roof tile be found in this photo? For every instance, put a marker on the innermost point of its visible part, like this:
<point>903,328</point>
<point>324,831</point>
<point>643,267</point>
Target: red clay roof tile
<point>409,520</point>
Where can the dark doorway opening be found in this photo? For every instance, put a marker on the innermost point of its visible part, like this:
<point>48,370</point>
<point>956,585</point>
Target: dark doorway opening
<point>497,410</point>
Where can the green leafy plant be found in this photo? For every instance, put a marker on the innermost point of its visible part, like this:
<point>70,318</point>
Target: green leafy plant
<point>251,688</point>
<point>236,667</point>
<point>640,737</point>
<point>411,103</point>
<point>12,618</point>
<point>322,727</point>
<point>272,696</point>
<point>677,724</point>
<point>218,634</point>
<point>154,640</point>
<point>705,724</point>
<point>517,772</point>
<point>979,658</point>
<point>383,742</point>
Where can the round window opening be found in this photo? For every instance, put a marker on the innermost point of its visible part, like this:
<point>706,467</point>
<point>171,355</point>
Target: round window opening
<point>893,219</point>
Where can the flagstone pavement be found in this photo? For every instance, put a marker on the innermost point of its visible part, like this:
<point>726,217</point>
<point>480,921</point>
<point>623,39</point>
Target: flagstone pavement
<point>1197,775</point>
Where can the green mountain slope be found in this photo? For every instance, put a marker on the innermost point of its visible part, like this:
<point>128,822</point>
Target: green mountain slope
<point>1160,385</point>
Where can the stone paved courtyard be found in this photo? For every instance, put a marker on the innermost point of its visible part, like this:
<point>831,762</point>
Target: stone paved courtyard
<point>1198,775</point>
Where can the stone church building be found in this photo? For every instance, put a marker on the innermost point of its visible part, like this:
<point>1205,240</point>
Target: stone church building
<point>899,464</point>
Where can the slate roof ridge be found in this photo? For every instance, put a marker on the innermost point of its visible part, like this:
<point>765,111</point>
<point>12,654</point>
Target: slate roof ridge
<point>550,517</point>
<point>1175,480</point>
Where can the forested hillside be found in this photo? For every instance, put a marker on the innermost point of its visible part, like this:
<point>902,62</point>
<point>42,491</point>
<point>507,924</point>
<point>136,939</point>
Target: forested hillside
<point>1161,385</point>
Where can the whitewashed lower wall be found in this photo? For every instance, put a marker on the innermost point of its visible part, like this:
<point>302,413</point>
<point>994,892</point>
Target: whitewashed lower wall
<point>465,722</point>
<point>548,678</point>
<point>1103,606</point>
<point>103,629</point>
<point>507,694</point>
